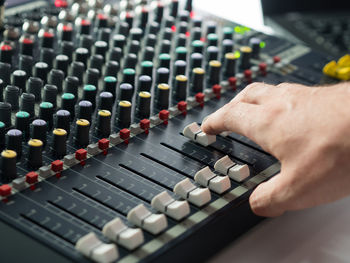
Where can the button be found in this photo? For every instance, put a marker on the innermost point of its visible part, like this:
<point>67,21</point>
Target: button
<point>197,80</point>
<point>246,53</point>
<point>142,217</point>
<point>118,232</point>
<point>8,165</point>
<point>5,190</point>
<point>235,171</point>
<point>195,195</point>
<point>35,156</point>
<point>91,247</point>
<point>144,105</point>
<point>194,132</point>
<point>162,96</point>
<point>219,184</point>
<point>230,65</point>
<point>214,72</point>
<point>57,166</point>
<point>176,209</point>
<point>104,123</point>
<point>180,87</point>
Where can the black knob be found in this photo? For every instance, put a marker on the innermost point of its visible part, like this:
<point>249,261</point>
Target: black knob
<point>86,41</point>
<point>124,114</point>
<point>5,73</point>
<point>59,145</point>
<point>131,61</point>
<point>212,40</point>
<point>62,62</point>
<point>56,78</point>
<point>12,96</point>
<point>85,110</point>
<point>144,83</point>
<point>77,70</point>
<point>119,40</point>
<point>26,45</point>
<point>112,69</point>
<point>68,103</point>
<point>167,34</point>
<point>89,93</point>
<point>123,28</point>
<point>184,15</point>
<point>143,17</point>
<point>35,153</point>
<point>14,141</point>
<point>2,135</point>
<point>151,40</point>
<point>6,53</point>
<point>100,48</point>
<point>83,25</point>
<point>197,81</point>
<point>81,55</point>
<point>181,53</point>
<point>8,165</point>
<point>212,53</point>
<point>129,76</point>
<point>47,55</point>
<point>102,20</point>
<point>46,111</point>
<point>196,33</point>
<point>227,46</point>
<point>96,61</point>
<point>230,65</point>
<point>246,54</point>
<point>26,64</point>
<point>183,26</point>
<point>162,96</point>
<point>174,6</point>
<point>46,37</point>
<point>180,67</point>
<point>126,91</point>
<point>71,86</point>
<point>214,72</point>
<point>50,94</point>
<point>5,113</point>
<point>147,68</point>
<point>211,28</point>
<point>82,132</point>
<point>188,5</point>
<point>92,76</point>
<point>162,75</point>
<point>158,12</point>
<point>154,28</point>
<point>148,54</point>
<point>134,47</point>
<point>110,85</point>
<point>196,60</point>
<point>34,86</point>
<point>22,122</point>
<point>197,46</point>
<point>65,31</point>
<point>144,105</point>
<point>27,103</point>
<point>136,34</point>
<point>38,130</point>
<point>181,40</point>
<point>1,90</point>
<point>165,46</point>
<point>115,54</point>
<point>104,35</point>
<point>164,60</point>
<point>104,123</point>
<point>62,120</point>
<point>255,45</point>
<point>41,69</point>
<point>228,33</point>
<point>181,87</point>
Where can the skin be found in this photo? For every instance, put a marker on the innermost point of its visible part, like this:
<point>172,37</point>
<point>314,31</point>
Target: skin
<point>306,128</point>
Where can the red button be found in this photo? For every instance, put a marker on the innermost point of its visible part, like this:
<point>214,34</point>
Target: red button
<point>27,41</point>
<point>5,190</point>
<point>233,82</point>
<point>124,134</point>
<point>182,106</point>
<point>276,59</point>
<point>164,116</point>
<point>248,74</point>
<point>57,166</point>
<point>85,22</point>
<point>173,28</point>
<point>145,124</point>
<point>217,90</point>
<point>61,3</point>
<point>81,154</point>
<point>103,144</point>
<point>48,34</point>
<point>200,97</point>
<point>32,177</point>
<point>67,28</point>
<point>6,48</point>
<point>102,17</point>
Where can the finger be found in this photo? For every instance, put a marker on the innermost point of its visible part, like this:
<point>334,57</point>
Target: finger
<point>257,93</point>
<point>236,117</point>
<point>269,198</point>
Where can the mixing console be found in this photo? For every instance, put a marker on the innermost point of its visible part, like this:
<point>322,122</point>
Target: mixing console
<point>103,158</point>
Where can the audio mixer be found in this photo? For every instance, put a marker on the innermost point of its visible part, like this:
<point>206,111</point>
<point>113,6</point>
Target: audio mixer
<point>103,158</point>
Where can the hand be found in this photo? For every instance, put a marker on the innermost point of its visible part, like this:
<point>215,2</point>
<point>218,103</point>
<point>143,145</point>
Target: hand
<point>306,128</point>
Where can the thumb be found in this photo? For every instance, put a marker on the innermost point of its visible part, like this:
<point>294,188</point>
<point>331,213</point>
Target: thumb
<point>267,199</point>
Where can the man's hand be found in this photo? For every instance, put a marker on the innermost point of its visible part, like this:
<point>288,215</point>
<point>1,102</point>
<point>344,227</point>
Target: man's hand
<point>307,129</point>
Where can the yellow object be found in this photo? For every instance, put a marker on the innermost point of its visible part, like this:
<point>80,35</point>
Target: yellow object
<point>9,154</point>
<point>230,56</point>
<point>83,122</point>
<point>35,143</point>
<point>104,113</point>
<point>198,71</point>
<point>163,86</point>
<point>59,132</point>
<point>181,78</point>
<point>125,104</point>
<point>145,94</point>
<point>215,63</point>
<point>338,70</point>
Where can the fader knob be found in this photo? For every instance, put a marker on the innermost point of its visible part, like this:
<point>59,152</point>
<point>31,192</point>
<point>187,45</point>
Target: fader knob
<point>35,153</point>
<point>8,165</point>
<point>59,145</point>
<point>124,114</point>
<point>82,128</point>
<point>14,141</point>
<point>104,123</point>
<point>39,130</point>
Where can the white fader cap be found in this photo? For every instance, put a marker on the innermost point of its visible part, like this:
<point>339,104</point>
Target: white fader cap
<point>194,132</point>
<point>235,171</point>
